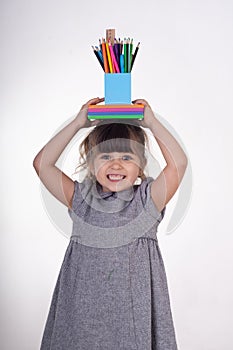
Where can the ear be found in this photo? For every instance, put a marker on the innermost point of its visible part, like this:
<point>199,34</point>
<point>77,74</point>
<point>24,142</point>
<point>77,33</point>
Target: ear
<point>140,172</point>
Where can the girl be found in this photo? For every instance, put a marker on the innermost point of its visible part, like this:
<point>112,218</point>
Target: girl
<point>111,292</point>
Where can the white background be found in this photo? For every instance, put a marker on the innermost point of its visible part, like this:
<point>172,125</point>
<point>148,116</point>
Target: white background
<point>184,70</point>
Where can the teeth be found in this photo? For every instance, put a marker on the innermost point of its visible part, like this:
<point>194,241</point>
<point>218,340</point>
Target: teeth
<point>115,177</point>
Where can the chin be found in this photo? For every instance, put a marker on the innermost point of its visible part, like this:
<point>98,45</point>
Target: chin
<point>118,185</point>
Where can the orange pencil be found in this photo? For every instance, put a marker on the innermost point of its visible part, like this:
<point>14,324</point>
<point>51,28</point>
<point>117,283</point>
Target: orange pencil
<point>106,69</point>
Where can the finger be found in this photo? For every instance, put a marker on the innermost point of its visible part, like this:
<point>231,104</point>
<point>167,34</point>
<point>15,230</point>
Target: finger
<point>98,101</point>
<point>144,102</point>
<point>93,101</point>
<point>139,99</point>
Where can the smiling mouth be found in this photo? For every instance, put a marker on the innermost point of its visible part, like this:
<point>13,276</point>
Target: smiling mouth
<point>113,177</point>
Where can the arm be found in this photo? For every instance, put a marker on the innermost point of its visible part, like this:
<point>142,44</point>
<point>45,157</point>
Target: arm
<point>165,185</point>
<point>58,183</point>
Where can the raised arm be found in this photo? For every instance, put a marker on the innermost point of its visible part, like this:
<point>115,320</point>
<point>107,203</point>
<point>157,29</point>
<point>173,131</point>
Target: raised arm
<point>165,185</point>
<point>58,183</point>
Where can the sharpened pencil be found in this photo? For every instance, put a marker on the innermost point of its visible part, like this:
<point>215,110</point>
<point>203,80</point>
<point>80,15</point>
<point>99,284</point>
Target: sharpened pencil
<point>115,49</point>
<point>121,46</point>
<point>100,45</point>
<point>100,54</point>
<point>106,68</point>
<point>125,56</point>
<point>98,57</point>
<point>130,47</point>
<point>109,58</point>
<point>134,55</point>
<point>114,61</point>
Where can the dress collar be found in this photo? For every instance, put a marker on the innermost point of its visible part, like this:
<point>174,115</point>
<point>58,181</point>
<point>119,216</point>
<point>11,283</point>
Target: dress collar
<point>93,188</point>
<point>126,195</point>
<point>108,202</point>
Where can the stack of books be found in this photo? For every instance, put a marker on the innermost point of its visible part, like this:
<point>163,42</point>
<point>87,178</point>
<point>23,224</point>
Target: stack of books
<point>119,111</point>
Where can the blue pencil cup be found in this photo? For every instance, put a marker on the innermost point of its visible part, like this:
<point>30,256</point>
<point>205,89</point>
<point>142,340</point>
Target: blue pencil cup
<point>117,88</point>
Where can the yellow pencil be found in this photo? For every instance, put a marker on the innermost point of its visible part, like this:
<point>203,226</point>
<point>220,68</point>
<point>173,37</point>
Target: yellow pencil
<point>109,58</point>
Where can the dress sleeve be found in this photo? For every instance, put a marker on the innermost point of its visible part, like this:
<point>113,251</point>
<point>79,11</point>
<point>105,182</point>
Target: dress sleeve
<point>78,205</point>
<point>76,196</point>
<point>75,205</point>
<point>148,203</point>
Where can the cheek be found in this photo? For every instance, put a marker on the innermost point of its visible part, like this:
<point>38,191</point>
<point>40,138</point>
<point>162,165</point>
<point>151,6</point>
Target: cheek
<point>134,168</point>
<point>99,167</point>
<point>136,162</point>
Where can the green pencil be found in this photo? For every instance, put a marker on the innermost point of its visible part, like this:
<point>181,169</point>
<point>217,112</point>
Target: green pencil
<point>130,55</point>
<point>125,56</point>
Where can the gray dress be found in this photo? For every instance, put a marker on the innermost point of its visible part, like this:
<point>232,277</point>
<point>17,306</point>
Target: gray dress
<point>111,292</point>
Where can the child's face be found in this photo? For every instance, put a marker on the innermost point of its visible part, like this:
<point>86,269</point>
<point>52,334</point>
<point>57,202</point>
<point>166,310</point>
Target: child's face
<point>116,171</point>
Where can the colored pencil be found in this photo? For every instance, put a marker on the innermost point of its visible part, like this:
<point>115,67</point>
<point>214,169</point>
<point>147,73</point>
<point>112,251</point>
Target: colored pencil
<point>130,55</point>
<point>134,55</point>
<point>121,45</point>
<point>109,58</point>
<point>100,45</point>
<point>113,57</point>
<point>116,51</point>
<point>122,63</point>
<point>127,52</point>
<point>125,56</point>
<point>106,67</point>
<point>98,57</point>
<point>99,53</point>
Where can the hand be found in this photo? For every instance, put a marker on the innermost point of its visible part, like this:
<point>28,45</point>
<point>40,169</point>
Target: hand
<point>149,116</point>
<point>83,121</point>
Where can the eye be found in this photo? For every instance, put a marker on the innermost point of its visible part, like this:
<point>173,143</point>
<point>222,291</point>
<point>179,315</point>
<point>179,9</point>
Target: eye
<point>105,157</point>
<point>127,157</point>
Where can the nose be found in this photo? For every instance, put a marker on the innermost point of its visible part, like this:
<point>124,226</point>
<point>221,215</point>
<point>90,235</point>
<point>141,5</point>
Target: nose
<point>116,163</point>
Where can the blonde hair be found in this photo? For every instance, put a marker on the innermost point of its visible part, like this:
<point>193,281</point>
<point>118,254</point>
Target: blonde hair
<point>105,137</point>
